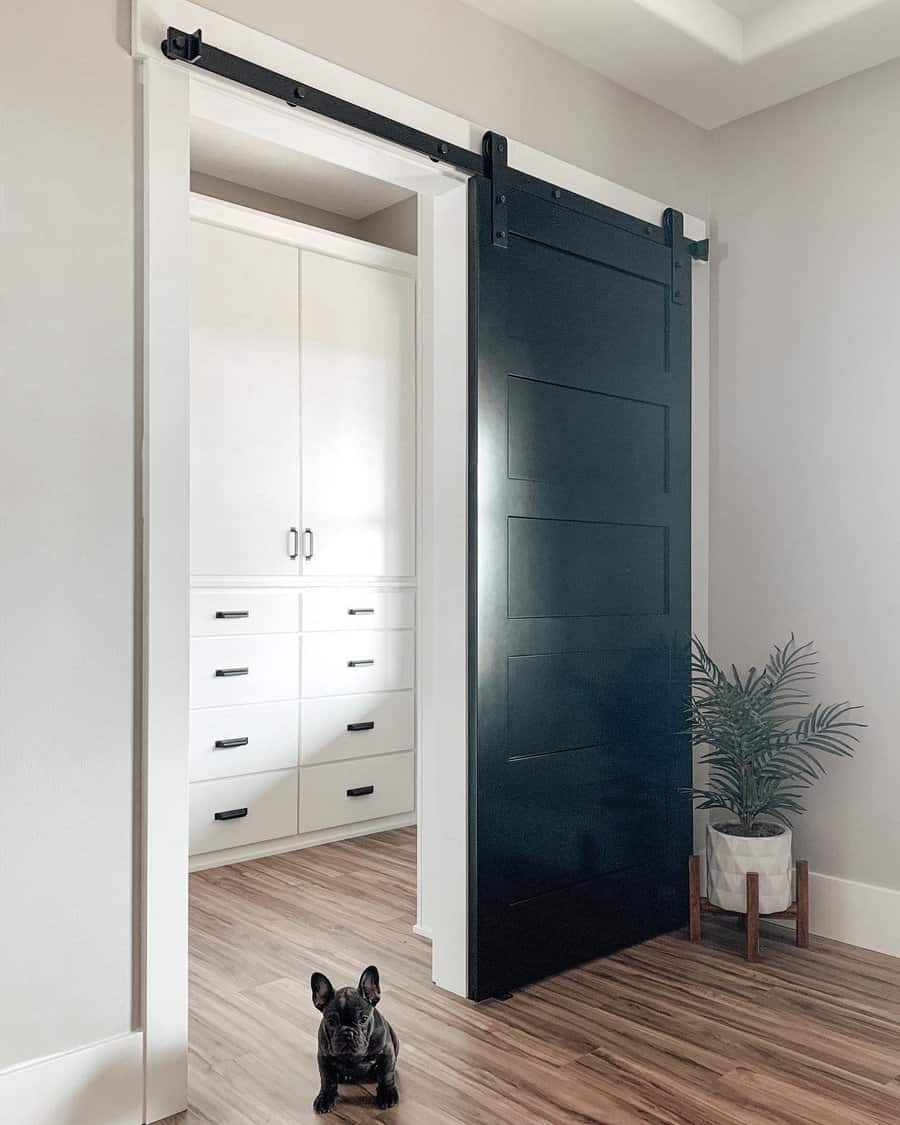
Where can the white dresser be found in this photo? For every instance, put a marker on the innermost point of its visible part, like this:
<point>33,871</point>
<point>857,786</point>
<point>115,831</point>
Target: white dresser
<point>302,542</point>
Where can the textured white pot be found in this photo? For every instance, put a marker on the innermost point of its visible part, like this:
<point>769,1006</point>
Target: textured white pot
<point>730,858</point>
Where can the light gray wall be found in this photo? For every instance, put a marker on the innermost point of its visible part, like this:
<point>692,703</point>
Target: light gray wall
<point>395,226</point>
<point>67,540</point>
<point>455,57</point>
<point>806,398</point>
<point>70,227</point>
<point>273,204</point>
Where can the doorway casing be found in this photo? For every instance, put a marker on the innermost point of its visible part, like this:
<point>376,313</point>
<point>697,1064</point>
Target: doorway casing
<point>172,93</point>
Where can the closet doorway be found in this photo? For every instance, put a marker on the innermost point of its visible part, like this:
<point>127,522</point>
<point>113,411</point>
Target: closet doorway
<point>306,371</point>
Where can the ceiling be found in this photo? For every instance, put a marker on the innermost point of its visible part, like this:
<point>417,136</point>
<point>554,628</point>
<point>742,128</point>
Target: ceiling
<point>243,159</point>
<point>712,61</point>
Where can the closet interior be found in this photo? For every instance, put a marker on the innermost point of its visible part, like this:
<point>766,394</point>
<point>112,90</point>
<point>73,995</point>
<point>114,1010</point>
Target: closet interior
<point>302,501</point>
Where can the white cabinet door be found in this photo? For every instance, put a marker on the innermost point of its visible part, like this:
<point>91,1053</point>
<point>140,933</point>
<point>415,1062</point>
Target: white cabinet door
<point>357,371</point>
<point>245,404</point>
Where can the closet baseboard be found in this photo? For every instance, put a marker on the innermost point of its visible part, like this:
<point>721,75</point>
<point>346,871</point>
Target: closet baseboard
<point>295,843</point>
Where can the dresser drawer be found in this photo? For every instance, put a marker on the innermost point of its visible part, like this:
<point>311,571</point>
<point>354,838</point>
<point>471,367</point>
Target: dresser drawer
<point>323,610</point>
<point>226,671</point>
<point>231,613</point>
<point>226,741</point>
<point>262,806</point>
<point>341,663</point>
<point>348,792</point>
<point>355,726</point>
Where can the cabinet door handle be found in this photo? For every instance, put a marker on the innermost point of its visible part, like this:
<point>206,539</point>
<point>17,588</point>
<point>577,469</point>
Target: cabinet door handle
<point>361,726</point>
<point>293,543</point>
<point>362,791</point>
<point>231,814</point>
<point>308,543</point>
<point>230,743</point>
<point>359,663</point>
<point>225,672</point>
<point>359,612</point>
<point>231,614</point>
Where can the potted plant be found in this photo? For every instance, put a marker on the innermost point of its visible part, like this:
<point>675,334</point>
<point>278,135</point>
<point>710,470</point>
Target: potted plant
<point>763,744</point>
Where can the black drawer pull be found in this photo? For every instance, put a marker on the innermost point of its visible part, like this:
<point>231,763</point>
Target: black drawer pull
<point>359,663</point>
<point>230,743</point>
<point>231,614</point>
<point>361,726</point>
<point>359,612</point>
<point>231,814</point>
<point>362,791</point>
<point>232,672</point>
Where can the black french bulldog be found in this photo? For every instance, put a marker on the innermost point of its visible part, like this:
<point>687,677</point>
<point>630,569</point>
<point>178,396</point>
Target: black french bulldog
<point>356,1043</point>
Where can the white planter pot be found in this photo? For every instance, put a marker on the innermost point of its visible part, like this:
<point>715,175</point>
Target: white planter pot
<point>730,858</point>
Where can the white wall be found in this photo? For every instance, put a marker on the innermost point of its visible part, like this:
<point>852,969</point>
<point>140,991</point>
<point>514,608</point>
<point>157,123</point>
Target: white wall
<point>393,226</point>
<point>67,555</point>
<point>455,57</point>
<point>805,458</point>
<point>70,224</point>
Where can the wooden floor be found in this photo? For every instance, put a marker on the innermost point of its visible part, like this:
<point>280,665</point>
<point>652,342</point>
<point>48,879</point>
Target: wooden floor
<point>665,1032</point>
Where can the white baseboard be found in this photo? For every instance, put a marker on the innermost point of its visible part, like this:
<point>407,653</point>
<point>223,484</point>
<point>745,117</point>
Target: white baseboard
<point>423,932</point>
<point>101,1084</point>
<point>855,913</point>
<point>858,914</point>
<point>295,843</point>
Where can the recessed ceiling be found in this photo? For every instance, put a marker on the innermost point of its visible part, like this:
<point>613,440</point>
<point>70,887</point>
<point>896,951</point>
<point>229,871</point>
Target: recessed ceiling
<point>712,61</point>
<point>744,9</point>
<point>241,158</point>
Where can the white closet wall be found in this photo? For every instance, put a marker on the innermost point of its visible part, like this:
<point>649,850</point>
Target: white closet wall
<point>303,539</point>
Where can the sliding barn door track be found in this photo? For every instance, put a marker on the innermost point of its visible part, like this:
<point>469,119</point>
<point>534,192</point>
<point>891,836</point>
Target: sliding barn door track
<point>491,162</point>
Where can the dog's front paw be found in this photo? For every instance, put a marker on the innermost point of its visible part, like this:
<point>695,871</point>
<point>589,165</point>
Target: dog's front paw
<point>386,1097</point>
<point>324,1102</point>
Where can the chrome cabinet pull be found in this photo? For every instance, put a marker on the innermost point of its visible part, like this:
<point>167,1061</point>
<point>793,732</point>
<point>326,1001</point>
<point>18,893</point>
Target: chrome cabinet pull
<point>231,614</point>
<point>359,612</point>
<point>308,543</point>
<point>226,672</point>
<point>360,663</point>
<point>231,814</point>
<point>230,743</point>
<point>293,543</point>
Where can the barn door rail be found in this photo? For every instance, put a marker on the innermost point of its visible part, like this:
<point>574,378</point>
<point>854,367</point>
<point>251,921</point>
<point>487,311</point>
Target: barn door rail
<point>491,162</point>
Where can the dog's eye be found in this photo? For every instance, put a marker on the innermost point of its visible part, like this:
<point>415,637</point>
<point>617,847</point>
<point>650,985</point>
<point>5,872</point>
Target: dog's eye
<point>332,1020</point>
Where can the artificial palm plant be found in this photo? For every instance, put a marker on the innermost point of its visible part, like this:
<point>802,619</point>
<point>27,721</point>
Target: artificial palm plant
<point>763,742</point>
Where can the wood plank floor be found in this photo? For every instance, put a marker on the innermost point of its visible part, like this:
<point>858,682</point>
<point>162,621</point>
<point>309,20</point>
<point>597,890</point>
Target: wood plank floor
<point>665,1033</point>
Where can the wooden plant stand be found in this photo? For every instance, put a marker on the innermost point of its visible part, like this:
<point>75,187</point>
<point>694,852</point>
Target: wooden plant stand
<point>798,910</point>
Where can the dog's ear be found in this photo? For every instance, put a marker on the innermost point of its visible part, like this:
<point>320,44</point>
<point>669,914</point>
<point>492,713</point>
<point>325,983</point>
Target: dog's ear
<point>322,992</point>
<point>370,985</point>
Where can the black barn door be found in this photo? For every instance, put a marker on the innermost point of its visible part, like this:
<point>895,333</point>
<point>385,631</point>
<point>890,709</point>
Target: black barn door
<point>580,592</point>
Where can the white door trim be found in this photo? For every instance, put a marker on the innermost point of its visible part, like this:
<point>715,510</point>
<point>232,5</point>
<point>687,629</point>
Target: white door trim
<point>172,92</point>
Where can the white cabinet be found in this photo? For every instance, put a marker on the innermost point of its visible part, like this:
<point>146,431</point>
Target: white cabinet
<point>245,404</point>
<point>357,364</point>
<point>303,538</point>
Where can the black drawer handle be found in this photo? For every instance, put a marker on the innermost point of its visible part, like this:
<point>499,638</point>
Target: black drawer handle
<point>362,791</point>
<point>225,672</point>
<point>230,743</point>
<point>359,663</point>
<point>231,814</point>
<point>361,726</point>
<point>359,612</point>
<point>231,614</point>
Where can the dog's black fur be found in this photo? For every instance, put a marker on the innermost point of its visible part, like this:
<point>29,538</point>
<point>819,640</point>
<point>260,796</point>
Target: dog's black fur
<point>356,1043</point>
